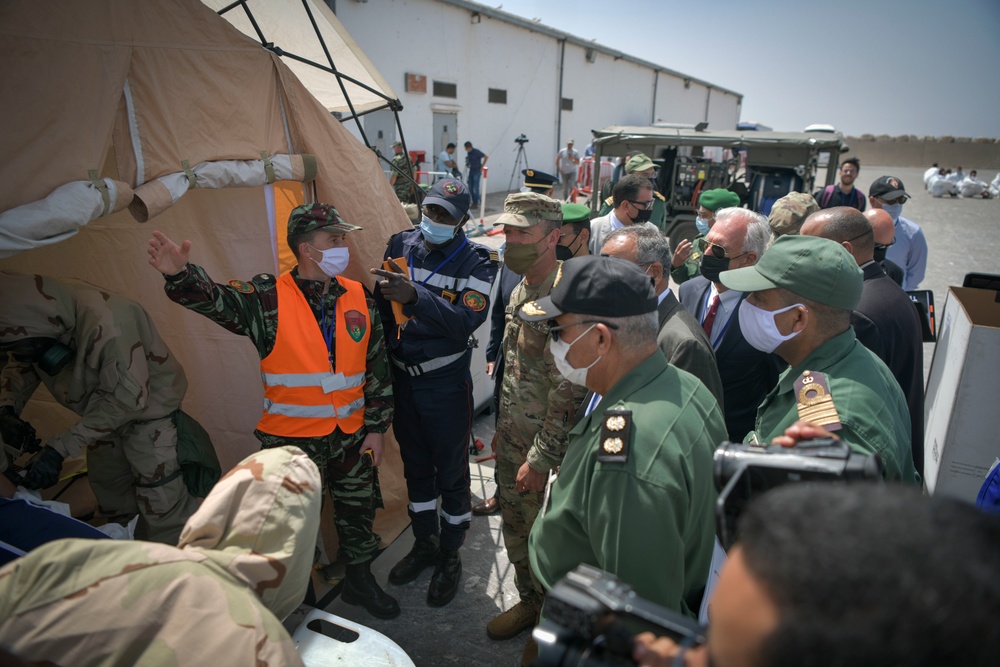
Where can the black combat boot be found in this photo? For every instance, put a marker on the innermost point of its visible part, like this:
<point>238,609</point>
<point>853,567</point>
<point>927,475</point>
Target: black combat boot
<point>444,581</point>
<point>422,555</point>
<point>361,588</point>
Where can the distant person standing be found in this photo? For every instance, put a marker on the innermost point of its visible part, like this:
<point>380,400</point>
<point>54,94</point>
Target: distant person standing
<point>400,184</point>
<point>910,248</point>
<point>566,163</point>
<point>844,193</point>
<point>475,160</point>
<point>885,235</point>
<point>446,162</point>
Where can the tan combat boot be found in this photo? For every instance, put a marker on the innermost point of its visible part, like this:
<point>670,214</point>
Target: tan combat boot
<point>510,623</point>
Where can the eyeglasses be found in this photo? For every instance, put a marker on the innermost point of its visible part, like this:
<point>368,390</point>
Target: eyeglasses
<point>885,246</point>
<point>719,252</point>
<point>848,171</point>
<point>641,204</point>
<point>555,331</point>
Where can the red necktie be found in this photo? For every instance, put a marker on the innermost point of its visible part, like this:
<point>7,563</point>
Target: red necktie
<point>709,320</point>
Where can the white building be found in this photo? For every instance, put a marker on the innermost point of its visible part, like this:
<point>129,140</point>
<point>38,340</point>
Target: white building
<point>467,72</point>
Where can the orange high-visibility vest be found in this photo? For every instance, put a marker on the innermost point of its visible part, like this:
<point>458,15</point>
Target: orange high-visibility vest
<point>302,397</point>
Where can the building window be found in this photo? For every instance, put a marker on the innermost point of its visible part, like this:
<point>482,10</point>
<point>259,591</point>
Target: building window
<point>442,89</point>
<point>497,96</point>
<point>567,104</point>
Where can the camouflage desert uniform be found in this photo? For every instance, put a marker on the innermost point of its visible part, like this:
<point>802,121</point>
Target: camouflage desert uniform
<point>242,564</point>
<point>403,188</point>
<point>251,309</point>
<point>123,382</point>
<point>537,406</point>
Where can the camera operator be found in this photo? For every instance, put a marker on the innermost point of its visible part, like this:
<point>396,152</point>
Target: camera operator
<point>861,575</point>
<point>802,292</point>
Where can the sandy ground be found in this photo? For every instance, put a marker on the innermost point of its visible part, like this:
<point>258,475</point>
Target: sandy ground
<point>963,236</point>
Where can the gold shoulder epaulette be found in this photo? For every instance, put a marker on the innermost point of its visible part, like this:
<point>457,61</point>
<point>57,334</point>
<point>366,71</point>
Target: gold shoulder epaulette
<point>815,402</point>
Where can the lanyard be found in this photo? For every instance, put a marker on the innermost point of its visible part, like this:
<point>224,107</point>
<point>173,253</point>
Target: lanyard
<point>328,329</point>
<point>423,283</point>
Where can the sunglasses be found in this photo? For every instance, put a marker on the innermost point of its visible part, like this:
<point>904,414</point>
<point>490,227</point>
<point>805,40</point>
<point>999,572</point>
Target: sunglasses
<point>641,204</point>
<point>718,252</point>
<point>555,331</point>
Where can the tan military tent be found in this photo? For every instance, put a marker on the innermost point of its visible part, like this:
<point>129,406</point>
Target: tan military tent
<point>118,112</point>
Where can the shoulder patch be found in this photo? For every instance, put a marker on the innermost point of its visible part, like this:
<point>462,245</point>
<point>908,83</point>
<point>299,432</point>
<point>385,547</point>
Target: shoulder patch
<point>609,201</point>
<point>474,300</point>
<point>242,287</point>
<point>815,402</point>
<point>495,256</point>
<point>616,433</point>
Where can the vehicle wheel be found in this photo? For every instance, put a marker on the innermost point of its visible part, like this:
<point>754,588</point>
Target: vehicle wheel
<point>685,229</point>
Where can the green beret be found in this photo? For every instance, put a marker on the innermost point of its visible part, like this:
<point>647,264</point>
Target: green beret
<point>575,213</point>
<point>718,198</point>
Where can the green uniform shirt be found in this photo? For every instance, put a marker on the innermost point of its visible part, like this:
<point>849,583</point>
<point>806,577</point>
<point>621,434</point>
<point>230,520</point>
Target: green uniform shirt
<point>868,399</point>
<point>648,520</point>
<point>692,265</point>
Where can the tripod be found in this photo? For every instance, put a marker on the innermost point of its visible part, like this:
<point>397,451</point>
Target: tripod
<point>521,156</point>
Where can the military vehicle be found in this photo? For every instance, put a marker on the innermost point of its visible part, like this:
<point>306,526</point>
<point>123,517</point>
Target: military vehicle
<point>759,166</point>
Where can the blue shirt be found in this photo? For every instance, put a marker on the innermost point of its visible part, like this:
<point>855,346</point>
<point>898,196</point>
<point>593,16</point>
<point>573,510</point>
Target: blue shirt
<point>444,157</point>
<point>909,252</point>
<point>451,302</point>
<point>474,160</point>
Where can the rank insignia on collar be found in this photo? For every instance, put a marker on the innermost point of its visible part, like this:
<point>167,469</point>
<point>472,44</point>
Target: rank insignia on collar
<point>558,275</point>
<point>241,286</point>
<point>616,433</point>
<point>815,402</point>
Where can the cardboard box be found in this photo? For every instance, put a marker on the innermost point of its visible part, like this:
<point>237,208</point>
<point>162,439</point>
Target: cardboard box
<point>962,401</point>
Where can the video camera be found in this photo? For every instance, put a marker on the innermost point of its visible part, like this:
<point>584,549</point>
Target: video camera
<point>743,470</point>
<point>591,617</point>
<point>521,139</point>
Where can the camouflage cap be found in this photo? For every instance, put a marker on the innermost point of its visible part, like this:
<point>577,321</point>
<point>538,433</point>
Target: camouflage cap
<point>788,213</point>
<point>526,209</point>
<point>310,217</point>
<point>718,198</point>
<point>397,143</point>
<point>640,162</point>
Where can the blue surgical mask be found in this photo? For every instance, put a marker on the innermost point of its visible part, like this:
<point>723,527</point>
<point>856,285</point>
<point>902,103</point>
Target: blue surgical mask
<point>702,225</point>
<point>894,210</point>
<point>435,232</point>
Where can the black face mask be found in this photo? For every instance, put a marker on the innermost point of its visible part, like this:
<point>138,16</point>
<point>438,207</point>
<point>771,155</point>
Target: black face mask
<point>563,252</point>
<point>712,266</point>
<point>880,251</point>
<point>642,216</point>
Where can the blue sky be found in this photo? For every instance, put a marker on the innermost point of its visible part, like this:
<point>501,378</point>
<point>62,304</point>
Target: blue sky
<point>864,66</point>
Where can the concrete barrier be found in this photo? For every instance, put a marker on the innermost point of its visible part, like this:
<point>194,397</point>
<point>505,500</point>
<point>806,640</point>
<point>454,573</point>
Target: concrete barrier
<point>949,152</point>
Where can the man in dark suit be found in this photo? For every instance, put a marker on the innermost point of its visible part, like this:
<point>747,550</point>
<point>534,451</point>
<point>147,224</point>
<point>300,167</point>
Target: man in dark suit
<point>737,239</point>
<point>680,337</point>
<point>896,338</point>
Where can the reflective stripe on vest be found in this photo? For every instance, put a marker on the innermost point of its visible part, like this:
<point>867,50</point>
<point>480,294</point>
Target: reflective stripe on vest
<point>302,398</point>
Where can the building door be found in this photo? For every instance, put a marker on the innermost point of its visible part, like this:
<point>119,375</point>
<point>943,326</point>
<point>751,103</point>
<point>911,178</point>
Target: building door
<point>445,132</point>
<point>380,127</point>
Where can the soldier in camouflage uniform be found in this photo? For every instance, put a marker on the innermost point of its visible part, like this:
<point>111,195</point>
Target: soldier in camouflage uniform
<point>400,184</point>
<point>536,403</point>
<point>335,436</point>
<point>788,213</point>
<point>686,263</point>
<point>242,564</point>
<point>100,356</point>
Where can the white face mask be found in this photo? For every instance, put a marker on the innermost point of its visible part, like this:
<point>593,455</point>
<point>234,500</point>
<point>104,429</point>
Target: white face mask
<point>894,211</point>
<point>560,349</point>
<point>760,329</point>
<point>334,260</point>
